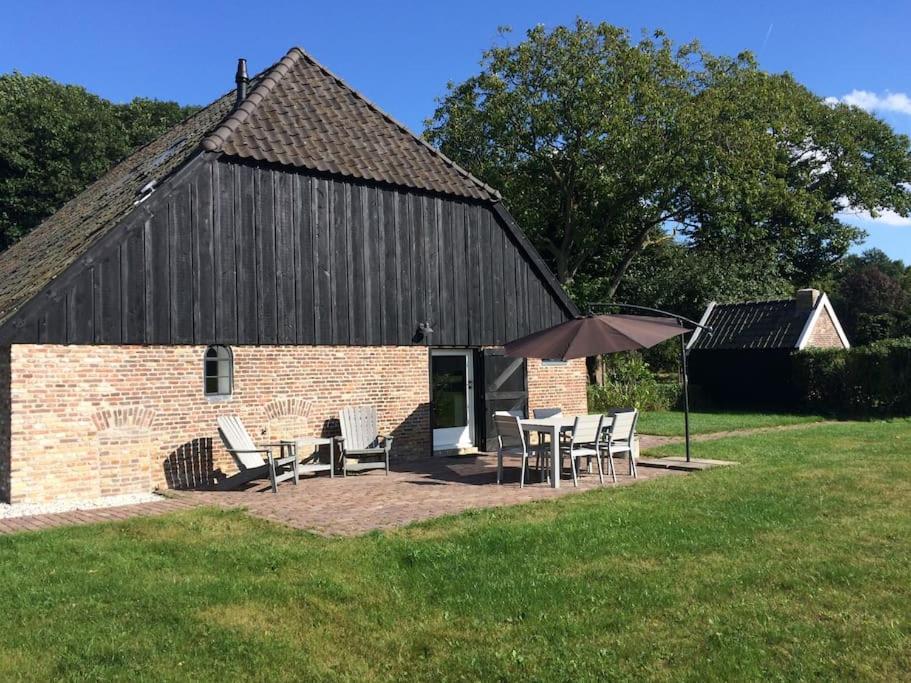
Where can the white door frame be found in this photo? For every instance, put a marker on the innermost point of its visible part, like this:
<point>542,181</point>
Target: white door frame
<point>456,437</point>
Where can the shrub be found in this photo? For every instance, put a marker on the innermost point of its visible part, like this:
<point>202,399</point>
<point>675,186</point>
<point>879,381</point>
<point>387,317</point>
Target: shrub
<point>872,380</point>
<point>629,382</point>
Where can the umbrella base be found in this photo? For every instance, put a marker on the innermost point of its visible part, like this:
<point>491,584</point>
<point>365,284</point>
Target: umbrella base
<point>675,463</point>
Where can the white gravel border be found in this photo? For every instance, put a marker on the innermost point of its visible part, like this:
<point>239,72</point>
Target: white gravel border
<point>8,511</point>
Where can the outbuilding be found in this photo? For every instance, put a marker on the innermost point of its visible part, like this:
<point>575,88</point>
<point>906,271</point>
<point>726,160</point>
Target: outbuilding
<point>288,250</point>
<point>746,359</point>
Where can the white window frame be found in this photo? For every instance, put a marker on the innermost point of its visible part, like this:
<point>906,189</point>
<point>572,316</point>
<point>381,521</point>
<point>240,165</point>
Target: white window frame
<point>224,358</point>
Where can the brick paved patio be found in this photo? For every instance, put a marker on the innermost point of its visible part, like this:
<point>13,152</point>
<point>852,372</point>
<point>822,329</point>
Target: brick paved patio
<point>413,491</point>
<point>74,517</point>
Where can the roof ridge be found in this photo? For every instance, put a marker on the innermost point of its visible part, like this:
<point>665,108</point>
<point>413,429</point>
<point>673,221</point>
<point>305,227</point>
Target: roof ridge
<point>755,301</point>
<point>214,140</point>
<point>401,126</point>
<point>219,137</point>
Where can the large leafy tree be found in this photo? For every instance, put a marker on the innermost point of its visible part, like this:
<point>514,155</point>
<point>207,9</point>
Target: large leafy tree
<point>872,296</point>
<point>607,147</point>
<point>55,139</point>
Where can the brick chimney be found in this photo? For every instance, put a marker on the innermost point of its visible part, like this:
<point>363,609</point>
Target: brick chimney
<point>806,299</point>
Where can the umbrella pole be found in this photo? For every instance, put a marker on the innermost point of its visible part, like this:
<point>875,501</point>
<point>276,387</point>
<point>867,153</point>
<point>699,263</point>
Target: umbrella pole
<point>686,397</point>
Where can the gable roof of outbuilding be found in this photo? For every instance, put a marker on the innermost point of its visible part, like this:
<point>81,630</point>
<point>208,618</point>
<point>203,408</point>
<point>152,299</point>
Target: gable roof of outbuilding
<point>297,114</point>
<point>766,325</point>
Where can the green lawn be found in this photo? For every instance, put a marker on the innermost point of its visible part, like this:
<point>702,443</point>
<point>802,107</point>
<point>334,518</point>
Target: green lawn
<point>796,564</point>
<point>670,423</point>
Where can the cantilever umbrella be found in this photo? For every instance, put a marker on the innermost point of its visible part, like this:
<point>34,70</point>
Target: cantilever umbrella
<point>594,335</point>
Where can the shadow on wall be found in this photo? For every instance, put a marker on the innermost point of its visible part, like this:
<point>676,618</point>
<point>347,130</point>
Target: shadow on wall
<point>191,466</point>
<point>411,437</point>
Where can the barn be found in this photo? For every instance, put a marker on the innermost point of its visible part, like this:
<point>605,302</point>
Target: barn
<point>288,250</point>
<point>746,359</point>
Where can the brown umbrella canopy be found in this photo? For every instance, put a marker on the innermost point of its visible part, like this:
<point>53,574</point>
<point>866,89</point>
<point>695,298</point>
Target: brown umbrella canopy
<point>594,335</point>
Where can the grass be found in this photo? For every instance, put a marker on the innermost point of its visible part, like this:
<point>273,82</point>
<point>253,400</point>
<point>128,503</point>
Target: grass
<point>670,422</point>
<point>796,564</point>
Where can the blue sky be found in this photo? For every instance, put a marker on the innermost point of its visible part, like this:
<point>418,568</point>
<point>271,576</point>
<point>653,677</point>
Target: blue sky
<point>402,54</point>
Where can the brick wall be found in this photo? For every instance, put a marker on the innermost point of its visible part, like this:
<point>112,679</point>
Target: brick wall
<point>87,421</point>
<point>102,420</point>
<point>823,335</point>
<point>558,386</point>
<point>4,424</point>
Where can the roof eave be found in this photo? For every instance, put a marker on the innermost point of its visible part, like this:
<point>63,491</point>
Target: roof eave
<point>822,305</point>
<point>532,253</point>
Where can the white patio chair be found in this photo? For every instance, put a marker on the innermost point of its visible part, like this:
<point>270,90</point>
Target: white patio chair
<point>621,438</point>
<point>539,452</point>
<point>361,439</point>
<point>249,456</point>
<point>511,441</point>
<point>585,443</point>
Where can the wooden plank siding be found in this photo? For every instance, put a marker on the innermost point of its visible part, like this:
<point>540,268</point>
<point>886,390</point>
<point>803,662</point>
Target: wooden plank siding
<point>252,254</point>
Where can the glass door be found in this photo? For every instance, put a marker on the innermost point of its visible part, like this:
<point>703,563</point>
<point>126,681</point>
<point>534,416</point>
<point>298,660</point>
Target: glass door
<point>452,402</point>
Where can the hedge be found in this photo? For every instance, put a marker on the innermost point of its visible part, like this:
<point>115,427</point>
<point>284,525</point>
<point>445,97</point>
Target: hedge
<point>629,382</point>
<point>865,381</point>
<point>652,396</point>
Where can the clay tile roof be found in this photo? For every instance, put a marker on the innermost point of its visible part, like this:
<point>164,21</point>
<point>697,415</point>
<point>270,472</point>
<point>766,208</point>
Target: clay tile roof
<point>300,114</point>
<point>296,113</point>
<point>754,325</point>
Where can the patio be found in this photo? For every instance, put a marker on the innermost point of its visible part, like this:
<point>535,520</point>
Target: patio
<point>414,490</point>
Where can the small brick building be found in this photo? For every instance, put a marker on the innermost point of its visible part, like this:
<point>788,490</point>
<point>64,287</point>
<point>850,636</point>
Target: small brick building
<point>286,251</point>
<point>746,360</point>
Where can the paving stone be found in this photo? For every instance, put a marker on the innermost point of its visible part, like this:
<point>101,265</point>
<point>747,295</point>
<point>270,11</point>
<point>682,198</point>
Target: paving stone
<point>414,490</point>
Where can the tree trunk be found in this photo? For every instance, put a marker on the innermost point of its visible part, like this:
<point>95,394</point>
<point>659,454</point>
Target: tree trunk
<point>594,365</point>
<point>632,251</point>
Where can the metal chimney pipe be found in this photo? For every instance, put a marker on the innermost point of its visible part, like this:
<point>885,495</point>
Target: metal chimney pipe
<point>241,80</point>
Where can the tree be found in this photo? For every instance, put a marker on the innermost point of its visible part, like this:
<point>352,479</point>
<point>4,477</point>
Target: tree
<point>872,295</point>
<point>56,139</point>
<point>607,148</point>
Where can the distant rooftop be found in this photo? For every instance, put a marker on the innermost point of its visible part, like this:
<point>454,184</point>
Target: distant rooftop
<point>773,324</point>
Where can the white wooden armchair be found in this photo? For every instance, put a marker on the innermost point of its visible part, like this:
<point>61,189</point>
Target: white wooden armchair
<point>361,440</point>
<point>249,456</point>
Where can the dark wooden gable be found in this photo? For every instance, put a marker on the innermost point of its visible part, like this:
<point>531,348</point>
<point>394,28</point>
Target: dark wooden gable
<point>239,253</point>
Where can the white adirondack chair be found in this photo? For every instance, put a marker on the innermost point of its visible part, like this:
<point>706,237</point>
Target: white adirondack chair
<point>249,456</point>
<point>361,440</point>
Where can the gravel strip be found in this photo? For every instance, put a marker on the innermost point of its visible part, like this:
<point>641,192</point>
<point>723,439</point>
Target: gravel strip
<point>8,511</point>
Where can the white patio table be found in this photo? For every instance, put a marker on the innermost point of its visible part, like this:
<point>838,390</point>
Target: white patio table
<point>553,426</point>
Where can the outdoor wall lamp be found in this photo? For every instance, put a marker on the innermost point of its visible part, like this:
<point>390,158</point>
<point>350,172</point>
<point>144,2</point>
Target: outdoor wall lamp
<point>424,330</point>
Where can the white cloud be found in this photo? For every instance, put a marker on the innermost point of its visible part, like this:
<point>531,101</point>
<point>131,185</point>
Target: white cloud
<point>884,217</point>
<point>869,101</point>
